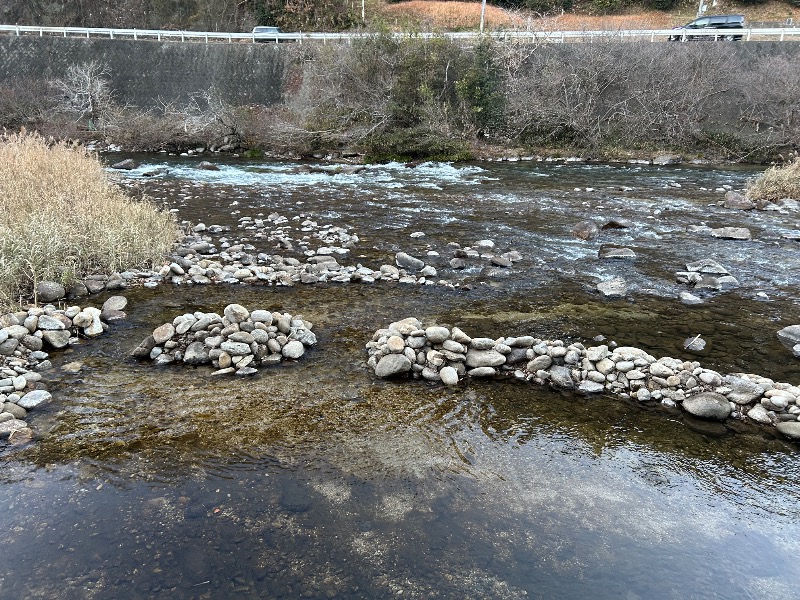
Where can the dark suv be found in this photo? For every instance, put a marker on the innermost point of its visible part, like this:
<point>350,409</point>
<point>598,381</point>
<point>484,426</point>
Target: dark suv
<point>712,22</point>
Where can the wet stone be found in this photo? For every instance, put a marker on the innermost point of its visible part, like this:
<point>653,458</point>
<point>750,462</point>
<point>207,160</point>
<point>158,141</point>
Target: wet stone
<point>708,405</point>
<point>34,399</point>
<point>392,364</point>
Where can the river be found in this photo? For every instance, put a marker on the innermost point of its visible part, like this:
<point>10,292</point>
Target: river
<point>315,480</point>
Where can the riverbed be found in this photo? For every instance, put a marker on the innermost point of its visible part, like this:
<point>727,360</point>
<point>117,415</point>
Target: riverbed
<point>313,479</point>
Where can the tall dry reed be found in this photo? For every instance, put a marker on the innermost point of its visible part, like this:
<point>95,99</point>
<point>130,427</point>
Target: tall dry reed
<point>61,218</point>
<point>776,183</point>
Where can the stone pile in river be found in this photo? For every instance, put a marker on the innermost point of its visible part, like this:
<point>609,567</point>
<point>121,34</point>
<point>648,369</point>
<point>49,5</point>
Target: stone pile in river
<point>26,338</point>
<point>238,341</point>
<point>435,353</point>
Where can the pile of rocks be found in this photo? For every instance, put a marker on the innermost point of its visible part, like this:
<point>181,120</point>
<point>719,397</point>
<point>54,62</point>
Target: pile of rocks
<point>436,353</point>
<point>26,338</point>
<point>236,342</point>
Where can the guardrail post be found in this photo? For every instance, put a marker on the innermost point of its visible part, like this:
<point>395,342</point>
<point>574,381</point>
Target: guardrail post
<point>111,34</point>
<point>782,32</point>
<point>749,31</point>
<point>183,38</point>
<point>134,35</point>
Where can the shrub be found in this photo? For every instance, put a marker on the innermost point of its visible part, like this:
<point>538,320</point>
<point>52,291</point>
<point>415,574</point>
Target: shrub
<point>62,218</point>
<point>776,182</point>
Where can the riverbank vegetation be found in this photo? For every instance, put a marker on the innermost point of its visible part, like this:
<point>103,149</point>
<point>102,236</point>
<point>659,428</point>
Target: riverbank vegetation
<point>388,98</point>
<point>62,218</point>
<point>777,182</point>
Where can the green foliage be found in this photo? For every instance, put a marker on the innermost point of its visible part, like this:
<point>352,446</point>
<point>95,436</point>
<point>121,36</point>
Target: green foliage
<point>606,7</point>
<point>254,153</point>
<point>480,90</point>
<point>404,145</point>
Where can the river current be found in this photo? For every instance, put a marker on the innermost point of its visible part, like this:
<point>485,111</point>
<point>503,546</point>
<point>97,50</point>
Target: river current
<point>315,480</point>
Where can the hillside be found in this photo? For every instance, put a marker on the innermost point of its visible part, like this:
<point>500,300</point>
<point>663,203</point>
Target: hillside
<point>419,15</point>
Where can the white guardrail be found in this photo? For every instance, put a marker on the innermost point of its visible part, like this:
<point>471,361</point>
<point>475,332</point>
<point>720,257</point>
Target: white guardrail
<point>763,34</point>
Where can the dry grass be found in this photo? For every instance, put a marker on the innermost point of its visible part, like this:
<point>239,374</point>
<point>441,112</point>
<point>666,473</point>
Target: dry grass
<point>62,218</point>
<point>776,183</point>
<point>444,15</point>
<point>435,15</point>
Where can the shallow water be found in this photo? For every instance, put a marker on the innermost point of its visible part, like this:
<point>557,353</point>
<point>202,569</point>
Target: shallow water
<point>315,480</point>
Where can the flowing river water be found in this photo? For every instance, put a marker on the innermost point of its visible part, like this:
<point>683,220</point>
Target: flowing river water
<point>315,480</point>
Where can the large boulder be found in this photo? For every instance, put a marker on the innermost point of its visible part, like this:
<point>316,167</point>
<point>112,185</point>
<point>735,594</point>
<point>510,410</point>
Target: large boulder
<point>34,399</point>
<point>392,364</point>
<point>484,358</point>
<point>49,291</point>
<point>708,405</point>
<point>406,261</point>
<point>790,337</point>
<point>585,230</point>
<point>791,429</point>
<point>613,288</point>
<point>732,233</point>
<point>125,165</point>
<point>737,201</point>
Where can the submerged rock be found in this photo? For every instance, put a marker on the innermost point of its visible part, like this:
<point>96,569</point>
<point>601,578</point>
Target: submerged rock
<point>585,230</point>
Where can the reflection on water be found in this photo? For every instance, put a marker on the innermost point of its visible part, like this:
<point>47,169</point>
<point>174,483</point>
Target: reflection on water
<point>314,480</point>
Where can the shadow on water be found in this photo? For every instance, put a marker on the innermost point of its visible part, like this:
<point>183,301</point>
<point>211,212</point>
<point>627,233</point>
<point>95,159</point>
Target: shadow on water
<point>313,479</point>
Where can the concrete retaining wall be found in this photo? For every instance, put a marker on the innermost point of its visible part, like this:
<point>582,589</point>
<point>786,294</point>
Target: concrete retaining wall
<point>143,71</point>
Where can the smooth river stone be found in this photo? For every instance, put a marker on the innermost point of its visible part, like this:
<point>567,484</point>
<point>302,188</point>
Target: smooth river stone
<point>437,335</point>
<point>195,354</point>
<point>293,349</point>
<point>48,323</point>
<point>484,358</point>
<point>235,348</point>
<point>482,372</point>
<point>406,261</point>
<point>9,427</point>
<point>759,414</point>
<point>392,364</point>
<point>115,303</point>
<point>57,339</point>
<point>34,399</point>
<point>449,376</point>
<point>540,362</point>
<point>743,391</point>
<point>482,344</point>
<point>791,429</point>
<point>708,405</point>
<point>561,377</point>
<point>789,336</point>
<point>163,333</point>
<point>396,344</point>
<point>95,328</point>
<point>590,387</point>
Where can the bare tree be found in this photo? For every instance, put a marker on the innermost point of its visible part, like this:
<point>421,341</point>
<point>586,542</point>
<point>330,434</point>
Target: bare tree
<point>85,93</point>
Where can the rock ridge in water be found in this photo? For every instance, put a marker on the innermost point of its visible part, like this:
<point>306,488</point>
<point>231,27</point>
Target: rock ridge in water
<point>236,342</point>
<point>26,339</point>
<point>407,348</point>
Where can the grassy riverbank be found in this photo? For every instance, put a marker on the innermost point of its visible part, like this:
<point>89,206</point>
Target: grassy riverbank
<point>62,219</point>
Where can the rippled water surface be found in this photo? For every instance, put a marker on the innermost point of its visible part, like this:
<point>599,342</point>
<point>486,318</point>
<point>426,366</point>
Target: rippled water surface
<point>314,480</point>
